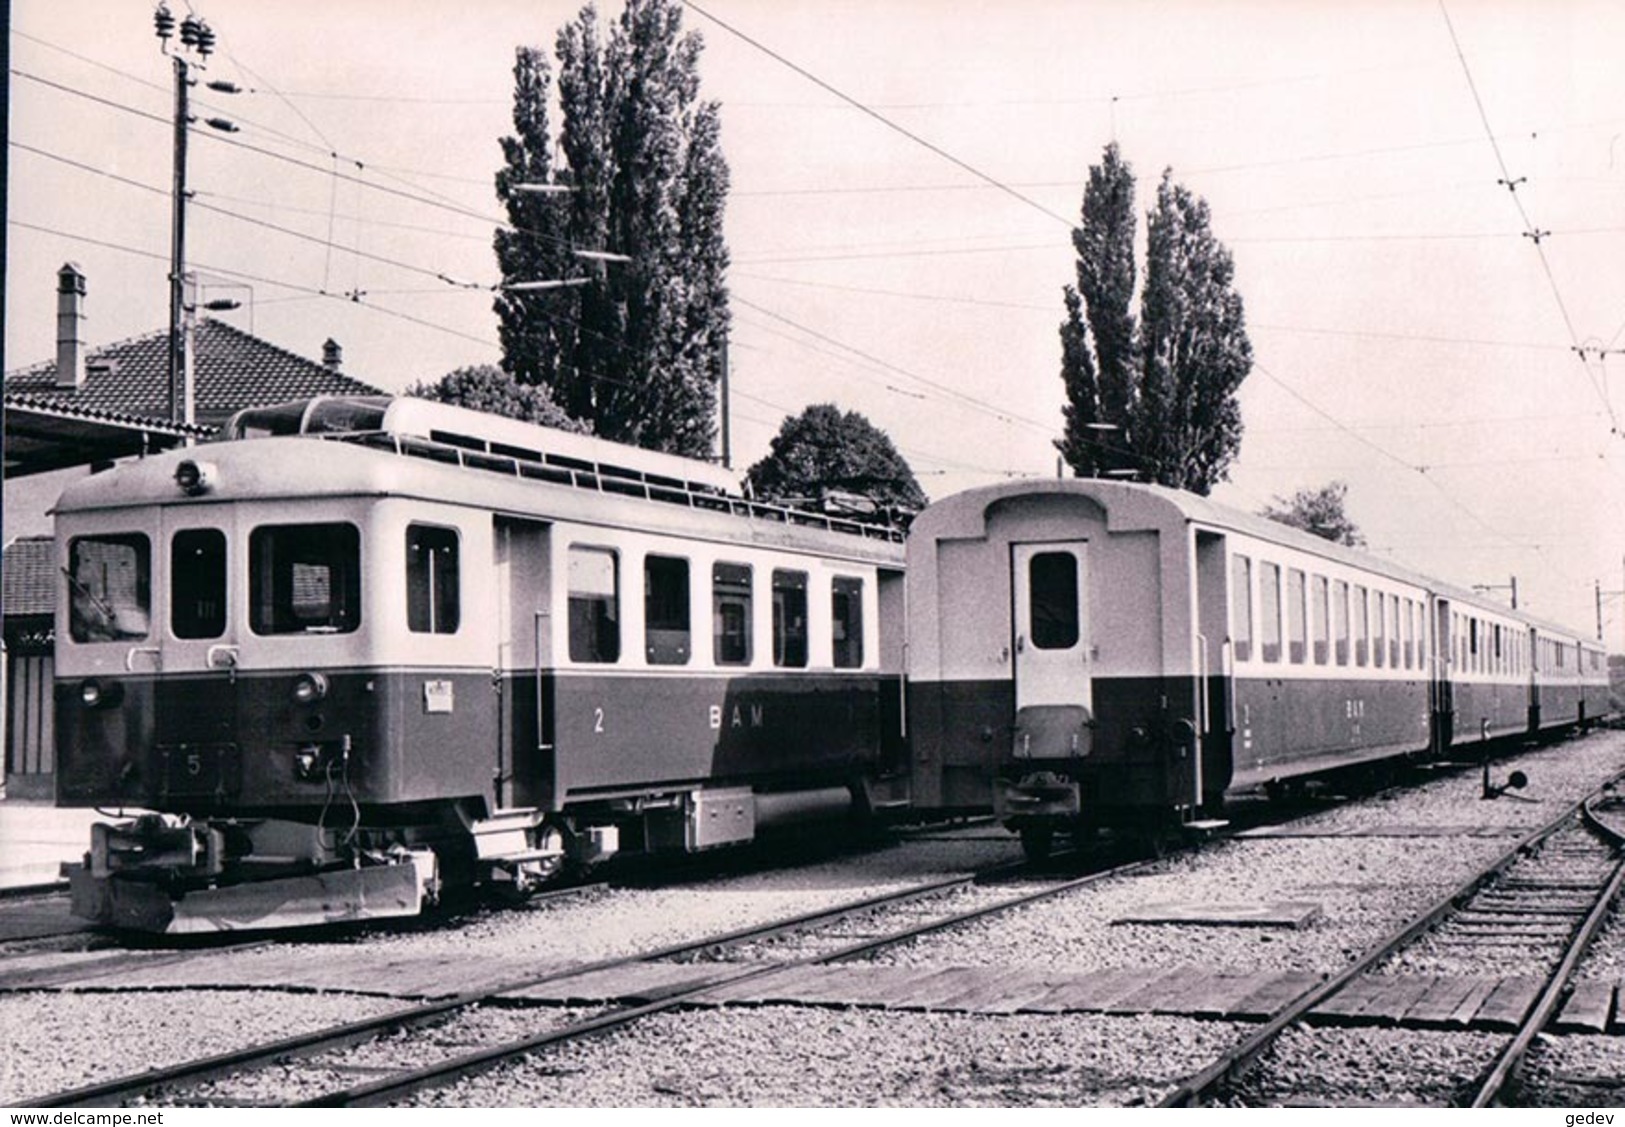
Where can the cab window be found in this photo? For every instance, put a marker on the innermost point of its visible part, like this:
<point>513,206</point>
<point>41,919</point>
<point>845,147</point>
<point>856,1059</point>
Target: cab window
<point>110,588</point>
<point>304,579</point>
<point>1053,582</point>
<point>197,583</point>
<point>846,613</point>
<point>433,598</point>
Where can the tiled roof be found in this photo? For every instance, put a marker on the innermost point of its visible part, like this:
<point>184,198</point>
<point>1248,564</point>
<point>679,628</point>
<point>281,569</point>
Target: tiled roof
<point>28,578</point>
<point>232,370</point>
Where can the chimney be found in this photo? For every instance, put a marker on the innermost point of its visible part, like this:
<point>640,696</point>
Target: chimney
<point>332,355</point>
<point>70,322</point>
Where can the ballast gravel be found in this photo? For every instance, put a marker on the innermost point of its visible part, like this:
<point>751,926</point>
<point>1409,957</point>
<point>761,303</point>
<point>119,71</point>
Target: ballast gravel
<point>1367,880</point>
<point>58,1041</point>
<point>788,1056</point>
<point>1343,1067</point>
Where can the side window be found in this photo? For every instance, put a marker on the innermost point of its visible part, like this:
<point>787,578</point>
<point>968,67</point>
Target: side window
<point>1052,583</point>
<point>846,608</point>
<point>1269,611</point>
<point>1322,620</point>
<point>595,605</point>
<point>730,614</point>
<point>197,583</point>
<point>1379,646</point>
<point>433,600</point>
<point>1340,620</point>
<point>304,579</point>
<point>1241,606</point>
<point>665,610</point>
<point>1407,624</point>
<point>1393,631</point>
<point>1362,626</point>
<point>110,588</point>
<point>789,618</point>
<point>1297,621</point>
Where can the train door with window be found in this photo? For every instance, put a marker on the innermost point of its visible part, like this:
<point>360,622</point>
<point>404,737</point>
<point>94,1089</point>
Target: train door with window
<point>1050,650</point>
<point>524,768</point>
<point>196,647</point>
<point>1443,690</point>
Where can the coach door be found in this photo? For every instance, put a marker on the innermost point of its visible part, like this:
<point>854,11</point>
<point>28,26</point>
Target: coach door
<point>1050,649</point>
<point>524,659</point>
<point>195,702</point>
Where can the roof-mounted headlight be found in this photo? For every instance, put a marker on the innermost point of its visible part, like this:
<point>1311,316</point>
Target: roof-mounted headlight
<point>196,478</point>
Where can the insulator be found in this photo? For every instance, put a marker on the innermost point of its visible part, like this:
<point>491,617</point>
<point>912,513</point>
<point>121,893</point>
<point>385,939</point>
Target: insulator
<point>222,124</point>
<point>163,22</point>
<point>222,86</point>
<point>205,39</point>
<point>189,31</point>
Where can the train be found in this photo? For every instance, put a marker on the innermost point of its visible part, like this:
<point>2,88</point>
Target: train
<point>1103,653</point>
<point>364,651</point>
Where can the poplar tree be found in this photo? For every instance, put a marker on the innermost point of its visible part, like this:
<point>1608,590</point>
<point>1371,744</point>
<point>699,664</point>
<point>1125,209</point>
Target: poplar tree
<point>1153,398</point>
<point>638,350</point>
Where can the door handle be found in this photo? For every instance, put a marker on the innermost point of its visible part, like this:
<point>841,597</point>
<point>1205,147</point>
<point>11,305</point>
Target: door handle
<point>157,657</point>
<point>1021,643</point>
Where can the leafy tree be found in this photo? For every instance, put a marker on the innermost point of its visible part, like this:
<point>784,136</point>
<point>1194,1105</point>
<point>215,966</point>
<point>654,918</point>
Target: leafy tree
<point>639,349</point>
<point>1321,511</point>
<point>485,387</point>
<point>824,451</point>
<point>1157,397</point>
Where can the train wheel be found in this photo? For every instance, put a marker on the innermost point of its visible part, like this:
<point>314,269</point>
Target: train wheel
<point>1038,842</point>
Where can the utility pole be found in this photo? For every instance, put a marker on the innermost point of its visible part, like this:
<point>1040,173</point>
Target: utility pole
<point>196,36</point>
<point>727,444</point>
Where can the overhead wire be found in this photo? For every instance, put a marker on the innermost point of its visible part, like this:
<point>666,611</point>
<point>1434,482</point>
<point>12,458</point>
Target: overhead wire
<point>1530,231</point>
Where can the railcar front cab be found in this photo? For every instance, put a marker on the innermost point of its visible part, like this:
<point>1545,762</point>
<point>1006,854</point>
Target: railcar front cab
<point>221,664</point>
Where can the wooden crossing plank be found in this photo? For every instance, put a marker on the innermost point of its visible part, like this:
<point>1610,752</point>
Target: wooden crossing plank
<point>1153,985</point>
<point>1588,1008</point>
<point>1398,995</point>
<point>933,993</point>
<point>843,984</point>
<point>1206,913</point>
<point>1268,999</point>
<point>1223,992</point>
<point>752,992</point>
<point>989,987</point>
<point>1157,995</point>
<point>1084,991</point>
<point>907,983</point>
<point>631,982</point>
<point>1507,1004</point>
<point>1030,990</point>
<point>1438,1006</point>
<point>1352,1000</point>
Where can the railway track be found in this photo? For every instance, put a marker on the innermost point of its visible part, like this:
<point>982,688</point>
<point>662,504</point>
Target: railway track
<point>672,977</point>
<point>1545,900</point>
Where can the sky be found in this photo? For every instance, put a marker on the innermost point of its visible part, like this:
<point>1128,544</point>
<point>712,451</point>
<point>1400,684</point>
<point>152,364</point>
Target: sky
<point>1425,202</point>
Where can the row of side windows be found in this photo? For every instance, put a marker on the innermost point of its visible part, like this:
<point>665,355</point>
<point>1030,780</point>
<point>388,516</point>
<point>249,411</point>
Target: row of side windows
<point>1304,619</point>
<point>1488,647</point>
<point>302,578</point>
<point>595,619</point>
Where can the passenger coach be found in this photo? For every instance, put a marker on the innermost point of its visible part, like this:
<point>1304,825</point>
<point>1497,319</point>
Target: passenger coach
<point>368,647</point>
<point>1093,653</point>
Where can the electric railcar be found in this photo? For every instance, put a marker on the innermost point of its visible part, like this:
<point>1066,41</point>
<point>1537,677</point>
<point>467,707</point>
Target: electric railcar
<point>370,648</point>
<point>1104,653</point>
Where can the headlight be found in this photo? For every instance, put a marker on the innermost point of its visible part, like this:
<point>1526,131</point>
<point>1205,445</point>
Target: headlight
<point>100,694</point>
<point>308,688</point>
<point>195,477</point>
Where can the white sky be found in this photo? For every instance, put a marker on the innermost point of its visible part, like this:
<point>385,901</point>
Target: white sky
<point>1410,338</point>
